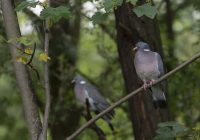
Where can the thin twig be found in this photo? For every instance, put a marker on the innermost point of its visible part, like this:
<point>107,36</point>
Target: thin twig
<point>122,100</point>
<point>35,70</point>
<point>32,55</point>
<point>43,135</point>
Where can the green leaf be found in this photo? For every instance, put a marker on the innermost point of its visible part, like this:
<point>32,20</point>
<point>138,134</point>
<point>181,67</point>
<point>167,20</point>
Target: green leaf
<point>163,137</point>
<point>146,10</point>
<point>25,4</point>
<point>170,129</point>
<point>43,57</point>
<point>117,3</point>
<point>169,124</point>
<point>55,14</point>
<point>163,130</point>
<point>108,5</point>
<point>133,2</point>
<point>25,40</point>
<point>98,18</point>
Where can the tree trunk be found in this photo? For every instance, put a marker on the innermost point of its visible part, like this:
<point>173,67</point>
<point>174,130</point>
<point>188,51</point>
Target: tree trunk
<point>130,30</point>
<point>22,77</point>
<point>64,41</point>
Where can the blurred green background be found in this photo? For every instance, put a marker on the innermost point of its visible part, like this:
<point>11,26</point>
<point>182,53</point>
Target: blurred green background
<point>97,59</point>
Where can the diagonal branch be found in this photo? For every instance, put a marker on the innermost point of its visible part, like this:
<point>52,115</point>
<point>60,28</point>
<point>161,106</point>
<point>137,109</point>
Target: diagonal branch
<point>122,100</point>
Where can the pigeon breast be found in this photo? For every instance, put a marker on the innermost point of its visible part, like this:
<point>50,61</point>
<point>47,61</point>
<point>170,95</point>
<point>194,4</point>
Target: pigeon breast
<point>146,65</point>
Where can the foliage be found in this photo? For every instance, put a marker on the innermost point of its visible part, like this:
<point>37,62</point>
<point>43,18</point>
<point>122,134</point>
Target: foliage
<point>24,40</point>
<point>98,60</point>
<point>109,5</point>
<point>133,2</point>
<point>145,10</point>
<point>98,18</point>
<point>25,4</point>
<point>170,131</point>
<point>43,57</point>
<point>55,14</point>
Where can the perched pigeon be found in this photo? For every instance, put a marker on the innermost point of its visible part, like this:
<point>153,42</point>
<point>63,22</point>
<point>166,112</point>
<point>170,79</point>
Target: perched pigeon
<point>149,67</point>
<point>84,91</point>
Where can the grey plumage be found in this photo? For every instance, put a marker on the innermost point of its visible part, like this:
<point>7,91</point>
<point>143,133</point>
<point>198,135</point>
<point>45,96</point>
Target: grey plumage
<point>149,67</point>
<point>97,103</point>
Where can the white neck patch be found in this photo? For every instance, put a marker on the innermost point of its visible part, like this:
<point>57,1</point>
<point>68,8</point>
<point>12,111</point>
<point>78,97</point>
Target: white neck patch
<point>82,82</point>
<point>146,50</point>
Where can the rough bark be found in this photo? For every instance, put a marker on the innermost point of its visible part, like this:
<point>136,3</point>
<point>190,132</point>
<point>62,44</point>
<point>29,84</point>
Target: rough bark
<point>22,77</point>
<point>130,30</point>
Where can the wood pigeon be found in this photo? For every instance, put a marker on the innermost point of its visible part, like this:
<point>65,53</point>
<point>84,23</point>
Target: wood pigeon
<point>149,67</point>
<point>87,93</point>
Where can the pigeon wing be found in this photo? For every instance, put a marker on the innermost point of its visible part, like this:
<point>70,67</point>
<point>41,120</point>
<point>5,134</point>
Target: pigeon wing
<point>159,64</point>
<point>99,101</point>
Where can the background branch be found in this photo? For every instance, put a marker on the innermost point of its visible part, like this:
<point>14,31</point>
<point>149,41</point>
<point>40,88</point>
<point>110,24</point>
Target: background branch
<point>43,135</point>
<point>122,100</point>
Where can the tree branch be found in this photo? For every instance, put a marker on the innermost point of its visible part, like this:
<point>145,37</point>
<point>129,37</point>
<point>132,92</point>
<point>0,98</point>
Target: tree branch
<point>43,135</point>
<point>122,100</point>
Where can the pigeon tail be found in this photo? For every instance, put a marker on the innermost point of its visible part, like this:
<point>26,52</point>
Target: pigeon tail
<point>159,99</point>
<point>108,121</point>
<point>162,104</point>
<point>111,126</point>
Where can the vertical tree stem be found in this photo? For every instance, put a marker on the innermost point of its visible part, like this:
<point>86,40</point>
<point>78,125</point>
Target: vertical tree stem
<point>43,135</point>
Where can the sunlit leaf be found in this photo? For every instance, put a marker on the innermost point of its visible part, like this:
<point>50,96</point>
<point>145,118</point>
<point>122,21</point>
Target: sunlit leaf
<point>43,57</point>
<point>55,14</point>
<point>22,60</point>
<point>25,4</point>
<point>146,10</point>
<point>28,51</point>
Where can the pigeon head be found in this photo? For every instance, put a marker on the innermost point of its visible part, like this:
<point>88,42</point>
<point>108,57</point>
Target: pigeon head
<point>142,46</point>
<point>78,79</point>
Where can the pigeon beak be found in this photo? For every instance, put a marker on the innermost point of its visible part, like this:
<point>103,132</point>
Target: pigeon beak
<point>135,49</point>
<point>73,82</point>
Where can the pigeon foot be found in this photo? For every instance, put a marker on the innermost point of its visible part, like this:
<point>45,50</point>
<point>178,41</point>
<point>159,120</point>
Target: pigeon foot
<point>145,86</point>
<point>151,82</point>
